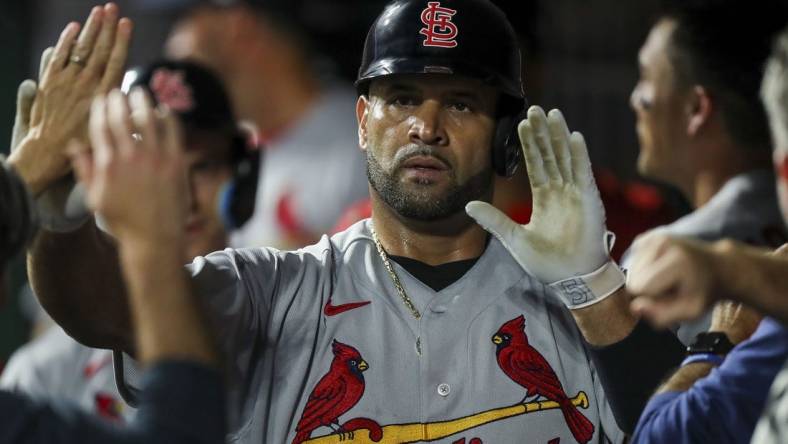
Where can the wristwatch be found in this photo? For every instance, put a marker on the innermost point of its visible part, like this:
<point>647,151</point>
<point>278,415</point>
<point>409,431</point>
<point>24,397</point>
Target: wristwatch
<point>710,342</point>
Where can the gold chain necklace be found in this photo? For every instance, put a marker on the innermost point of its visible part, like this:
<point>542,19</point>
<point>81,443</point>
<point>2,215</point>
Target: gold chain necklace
<point>397,284</point>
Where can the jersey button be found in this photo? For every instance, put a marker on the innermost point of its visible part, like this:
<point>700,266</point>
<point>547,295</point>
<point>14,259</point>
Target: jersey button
<point>444,389</point>
<point>439,309</point>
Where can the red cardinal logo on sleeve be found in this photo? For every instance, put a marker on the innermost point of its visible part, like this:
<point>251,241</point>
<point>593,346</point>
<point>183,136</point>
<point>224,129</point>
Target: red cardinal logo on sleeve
<point>336,392</point>
<point>528,368</point>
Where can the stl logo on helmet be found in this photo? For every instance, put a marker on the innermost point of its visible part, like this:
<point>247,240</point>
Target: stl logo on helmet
<point>438,29</point>
<point>170,88</point>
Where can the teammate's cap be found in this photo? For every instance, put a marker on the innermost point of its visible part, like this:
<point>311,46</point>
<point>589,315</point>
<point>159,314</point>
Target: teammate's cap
<point>467,37</point>
<point>190,90</point>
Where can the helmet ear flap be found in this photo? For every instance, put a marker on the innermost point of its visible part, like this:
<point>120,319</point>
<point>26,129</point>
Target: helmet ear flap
<point>507,153</point>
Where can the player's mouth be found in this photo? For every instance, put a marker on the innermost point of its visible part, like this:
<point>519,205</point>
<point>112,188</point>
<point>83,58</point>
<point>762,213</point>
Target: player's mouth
<point>424,168</point>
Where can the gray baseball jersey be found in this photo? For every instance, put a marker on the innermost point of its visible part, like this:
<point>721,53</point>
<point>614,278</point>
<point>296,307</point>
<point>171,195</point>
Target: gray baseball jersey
<point>744,209</point>
<point>319,338</point>
<point>309,175</point>
<point>55,366</point>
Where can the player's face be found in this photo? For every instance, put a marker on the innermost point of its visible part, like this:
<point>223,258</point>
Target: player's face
<point>428,140</point>
<point>657,102</point>
<point>197,38</point>
<point>208,162</point>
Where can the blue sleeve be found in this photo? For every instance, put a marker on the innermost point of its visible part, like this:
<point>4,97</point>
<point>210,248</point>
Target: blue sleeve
<point>724,406</point>
<point>181,403</point>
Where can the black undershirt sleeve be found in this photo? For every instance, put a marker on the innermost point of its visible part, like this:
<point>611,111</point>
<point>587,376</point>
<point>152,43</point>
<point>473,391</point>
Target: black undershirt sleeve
<point>632,369</point>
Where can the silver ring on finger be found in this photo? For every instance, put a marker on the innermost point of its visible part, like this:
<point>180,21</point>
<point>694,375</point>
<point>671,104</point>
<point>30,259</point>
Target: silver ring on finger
<point>77,60</point>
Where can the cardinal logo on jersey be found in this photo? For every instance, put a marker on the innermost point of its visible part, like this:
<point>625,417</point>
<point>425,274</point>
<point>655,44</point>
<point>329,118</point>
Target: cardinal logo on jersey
<point>170,89</point>
<point>439,31</point>
<point>336,392</point>
<point>108,407</point>
<point>527,367</point>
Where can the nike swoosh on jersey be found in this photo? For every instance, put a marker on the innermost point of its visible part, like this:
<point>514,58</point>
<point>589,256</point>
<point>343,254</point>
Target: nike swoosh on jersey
<point>333,310</point>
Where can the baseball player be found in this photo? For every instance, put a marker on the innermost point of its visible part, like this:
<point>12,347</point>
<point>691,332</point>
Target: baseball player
<point>311,168</point>
<point>56,366</point>
<point>415,325</point>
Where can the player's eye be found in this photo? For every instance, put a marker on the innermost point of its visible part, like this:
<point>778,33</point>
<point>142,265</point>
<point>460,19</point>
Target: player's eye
<point>404,100</point>
<point>460,106</point>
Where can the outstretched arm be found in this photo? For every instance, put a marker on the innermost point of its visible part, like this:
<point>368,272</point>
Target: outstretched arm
<point>679,279</point>
<point>565,247</point>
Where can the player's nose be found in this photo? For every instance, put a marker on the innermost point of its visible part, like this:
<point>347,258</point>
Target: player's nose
<point>426,127</point>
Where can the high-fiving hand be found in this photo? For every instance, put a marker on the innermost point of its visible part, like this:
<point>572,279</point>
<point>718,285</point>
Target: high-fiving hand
<point>135,176</point>
<point>54,111</point>
<point>564,244</point>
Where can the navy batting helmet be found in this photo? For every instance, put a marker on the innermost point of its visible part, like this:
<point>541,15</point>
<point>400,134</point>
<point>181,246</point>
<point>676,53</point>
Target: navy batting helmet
<point>472,38</point>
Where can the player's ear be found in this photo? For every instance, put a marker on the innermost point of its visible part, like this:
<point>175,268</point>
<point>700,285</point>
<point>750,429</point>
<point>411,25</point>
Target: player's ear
<point>362,111</point>
<point>699,109</point>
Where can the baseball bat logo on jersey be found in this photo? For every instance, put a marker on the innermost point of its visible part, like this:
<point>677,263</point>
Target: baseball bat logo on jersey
<point>439,31</point>
<point>341,388</point>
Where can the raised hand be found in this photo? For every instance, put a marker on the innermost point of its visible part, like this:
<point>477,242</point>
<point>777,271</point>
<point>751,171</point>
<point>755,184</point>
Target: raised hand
<point>81,65</point>
<point>135,176</point>
<point>564,243</point>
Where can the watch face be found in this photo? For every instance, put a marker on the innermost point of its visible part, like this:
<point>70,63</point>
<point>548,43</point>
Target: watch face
<point>711,342</point>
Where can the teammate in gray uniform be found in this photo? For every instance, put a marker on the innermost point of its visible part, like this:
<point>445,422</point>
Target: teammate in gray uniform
<point>415,325</point>
<point>719,156</point>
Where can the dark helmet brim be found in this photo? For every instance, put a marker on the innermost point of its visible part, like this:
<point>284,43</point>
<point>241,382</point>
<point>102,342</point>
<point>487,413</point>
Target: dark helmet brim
<point>392,66</point>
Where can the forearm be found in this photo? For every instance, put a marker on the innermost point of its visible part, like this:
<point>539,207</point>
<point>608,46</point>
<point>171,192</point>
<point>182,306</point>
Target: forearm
<point>608,321</point>
<point>755,278</point>
<point>685,377</point>
<point>34,171</point>
<point>624,348</point>
<point>167,320</point>
<point>646,356</point>
<point>77,279</point>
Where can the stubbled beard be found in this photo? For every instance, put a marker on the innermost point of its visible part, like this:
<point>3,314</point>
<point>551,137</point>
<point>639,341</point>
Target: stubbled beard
<point>418,201</point>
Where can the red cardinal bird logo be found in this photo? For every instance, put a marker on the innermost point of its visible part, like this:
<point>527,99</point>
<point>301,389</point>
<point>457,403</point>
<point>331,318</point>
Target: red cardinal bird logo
<point>336,392</point>
<point>527,367</point>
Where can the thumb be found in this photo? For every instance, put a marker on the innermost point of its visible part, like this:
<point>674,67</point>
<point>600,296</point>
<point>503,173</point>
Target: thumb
<point>24,103</point>
<point>493,220</point>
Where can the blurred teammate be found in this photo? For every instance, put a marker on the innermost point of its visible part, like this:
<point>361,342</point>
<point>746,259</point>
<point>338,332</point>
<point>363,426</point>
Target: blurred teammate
<point>677,280</point>
<point>311,170</point>
<point>703,130</point>
<point>55,366</point>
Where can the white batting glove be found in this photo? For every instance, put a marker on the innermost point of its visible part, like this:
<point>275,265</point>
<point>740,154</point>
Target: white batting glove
<point>565,243</point>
